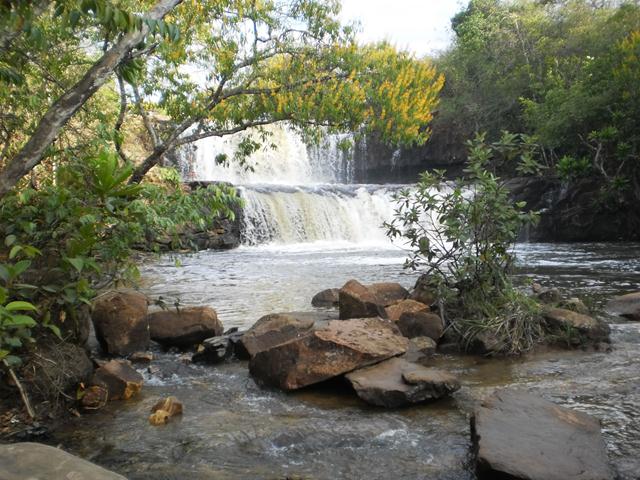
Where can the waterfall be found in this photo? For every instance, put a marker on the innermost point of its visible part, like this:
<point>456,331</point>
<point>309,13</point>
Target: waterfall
<point>297,193</point>
<point>347,213</point>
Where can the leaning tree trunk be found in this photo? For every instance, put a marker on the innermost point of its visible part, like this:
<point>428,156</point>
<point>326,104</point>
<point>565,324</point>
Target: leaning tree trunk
<point>68,104</point>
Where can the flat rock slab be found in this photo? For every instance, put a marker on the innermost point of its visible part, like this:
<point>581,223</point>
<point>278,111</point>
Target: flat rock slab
<point>562,319</point>
<point>275,329</point>
<point>521,436</point>
<point>397,382</point>
<point>627,306</point>
<point>339,347</point>
<point>34,461</point>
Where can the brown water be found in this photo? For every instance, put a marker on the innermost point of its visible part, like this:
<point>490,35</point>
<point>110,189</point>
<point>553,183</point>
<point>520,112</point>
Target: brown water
<point>231,429</point>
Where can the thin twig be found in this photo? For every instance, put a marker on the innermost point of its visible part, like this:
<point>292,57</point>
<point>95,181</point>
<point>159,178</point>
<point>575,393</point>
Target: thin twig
<point>23,392</point>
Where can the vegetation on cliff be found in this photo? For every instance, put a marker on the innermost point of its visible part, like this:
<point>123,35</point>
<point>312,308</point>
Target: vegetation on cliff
<point>564,73</point>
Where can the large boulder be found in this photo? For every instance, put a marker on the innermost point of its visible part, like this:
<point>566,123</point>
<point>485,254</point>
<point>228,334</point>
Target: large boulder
<point>120,321</point>
<point>397,382</point>
<point>184,327</point>
<point>395,310</point>
<point>576,326</point>
<point>421,324</point>
<point>326,298</point>
<point>324,353</point>
<point>275,329</point>
<point>34,461</point>
<point>358,301</point>
<point>521,436</point>
<point>388,293</point>
<point>627,306</point>
<point>120,380</point>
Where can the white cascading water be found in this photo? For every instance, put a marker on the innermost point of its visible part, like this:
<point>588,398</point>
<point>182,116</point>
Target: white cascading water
<point>297,194</point>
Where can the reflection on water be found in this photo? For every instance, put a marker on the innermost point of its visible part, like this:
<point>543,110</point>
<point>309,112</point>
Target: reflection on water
<point>231,429</point>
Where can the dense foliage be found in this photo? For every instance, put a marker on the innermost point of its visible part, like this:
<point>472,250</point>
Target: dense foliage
<point>461,235</point>
<point>566,73</point>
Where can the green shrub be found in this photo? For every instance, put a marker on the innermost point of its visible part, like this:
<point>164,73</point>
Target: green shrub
<point>461,235</point>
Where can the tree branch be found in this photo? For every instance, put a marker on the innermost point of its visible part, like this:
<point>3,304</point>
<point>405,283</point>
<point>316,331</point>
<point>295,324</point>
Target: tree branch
<point>68,104</point>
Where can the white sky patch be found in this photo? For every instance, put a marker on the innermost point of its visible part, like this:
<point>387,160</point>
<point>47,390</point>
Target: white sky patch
<point>421,26</point>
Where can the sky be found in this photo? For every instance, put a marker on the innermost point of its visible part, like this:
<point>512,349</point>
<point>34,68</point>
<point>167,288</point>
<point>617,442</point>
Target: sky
<point>422,26</point>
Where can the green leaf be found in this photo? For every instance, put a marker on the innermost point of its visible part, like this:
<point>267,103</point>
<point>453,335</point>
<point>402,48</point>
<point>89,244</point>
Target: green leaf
<point>20,321</point>
<point>20,305</point>
<point>20,267</point>
<point>14,251</point>
<point>77,262</point>
<point>10,240</point>
<point>55,330</point>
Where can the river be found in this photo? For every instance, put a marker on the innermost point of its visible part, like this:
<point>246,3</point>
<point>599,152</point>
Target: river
<point>232,429</point>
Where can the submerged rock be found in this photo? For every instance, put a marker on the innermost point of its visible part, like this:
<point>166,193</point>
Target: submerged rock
<point>421,324</point>
<point>627,306</point>
<point>521,436</point>
<point>119,378</point>
<point>274,329</point>
<point>120,321</point>
<point>395,310</point>
<point>34,461</point>
<point>326,298</point>
<point>185,327</point>
<point>324,353</point>
<point>566,322</point>
<point>358,301</point>
<point>397,382</point>
<point>388,293</point>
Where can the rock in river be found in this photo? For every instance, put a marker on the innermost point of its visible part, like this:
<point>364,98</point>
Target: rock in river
<point>421,324</point>
<point>120,321</point>
<point>119,379</point>
<point>627,306</point>
<point>323,353</point>
<point>275,329</point>
<point>521,436</point>
<point>395,310</point>
<point>358,301</point>
<point>326,298</point>
<point>397,382</point>
<point>34,461</point>
<point>564,321</point>
<point>184,327</point>
<point>388,293</point>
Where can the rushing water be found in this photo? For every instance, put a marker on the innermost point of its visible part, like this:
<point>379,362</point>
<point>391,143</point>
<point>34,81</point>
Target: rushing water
<point>231,429</point>
<point>304,235</point>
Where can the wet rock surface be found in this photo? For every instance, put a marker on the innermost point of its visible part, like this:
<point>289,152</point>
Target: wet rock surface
<point>397,382</point>
<point>119,379</point>
<point>326,298</point>
<point>120,321</point>
<point>565,321</point>
<point>388,293</point>
<point>184,327</point>
<point>34,461</point>
<point>324,353</point>
<point>627,306</point>
<point>518,435</point>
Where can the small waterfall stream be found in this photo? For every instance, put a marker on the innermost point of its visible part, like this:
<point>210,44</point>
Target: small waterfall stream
<point>298,193</point>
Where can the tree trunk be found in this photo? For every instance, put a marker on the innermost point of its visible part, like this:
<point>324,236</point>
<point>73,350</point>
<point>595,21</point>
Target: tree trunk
<point>68,104</point>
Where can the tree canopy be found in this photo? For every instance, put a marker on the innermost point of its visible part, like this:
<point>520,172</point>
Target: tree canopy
<point>75,71</point>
